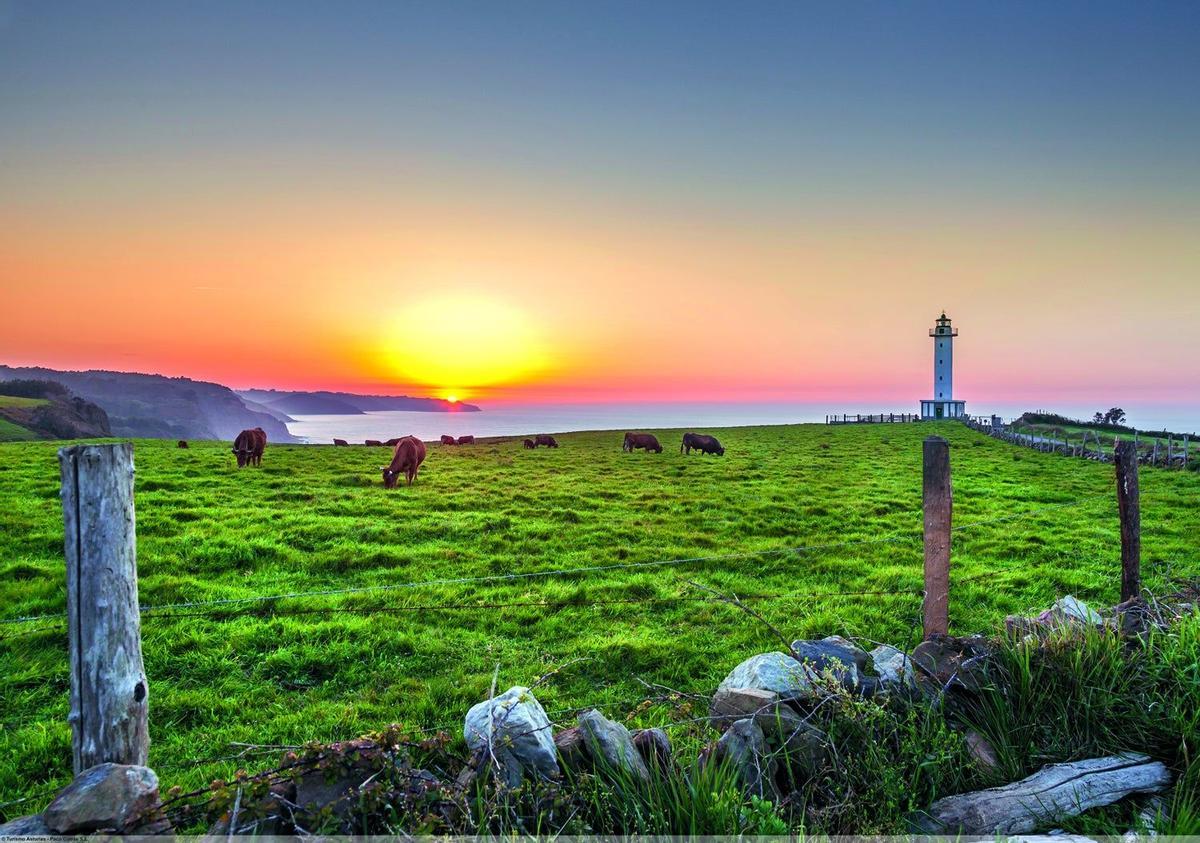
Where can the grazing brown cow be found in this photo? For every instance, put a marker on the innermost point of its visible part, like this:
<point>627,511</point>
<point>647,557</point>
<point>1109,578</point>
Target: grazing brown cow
<point>529,444</point>
<point>393,442</point>
<point>543,439</point>
<point>373,443</point>
<point>260,444</point>
<point>447,440</point>
<point>341,442</point>
<point>409,454</point>
<point>249,447</point>
<point>466,440</point>
<point>641,440</point>
<point>701,442</point>
<point>182,443</point>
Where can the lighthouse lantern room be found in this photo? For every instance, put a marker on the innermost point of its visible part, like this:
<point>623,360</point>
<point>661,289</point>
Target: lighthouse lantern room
<point>943,405</point>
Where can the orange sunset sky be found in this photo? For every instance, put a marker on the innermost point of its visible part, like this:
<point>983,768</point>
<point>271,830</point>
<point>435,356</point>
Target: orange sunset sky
<point>538,205</point>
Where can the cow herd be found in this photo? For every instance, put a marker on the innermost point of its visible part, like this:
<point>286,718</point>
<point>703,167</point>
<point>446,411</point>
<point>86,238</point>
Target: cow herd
<point>409,451</point>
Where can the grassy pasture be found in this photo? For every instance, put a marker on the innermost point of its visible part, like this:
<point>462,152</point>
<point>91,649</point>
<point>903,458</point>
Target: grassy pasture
<point>17,401</point>
<point>10,432</point>
<point>317,518</point>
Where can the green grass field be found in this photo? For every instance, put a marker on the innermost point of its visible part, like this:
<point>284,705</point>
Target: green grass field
<point>316,518</point>
<point>17,401</point>
<point>10,432</point>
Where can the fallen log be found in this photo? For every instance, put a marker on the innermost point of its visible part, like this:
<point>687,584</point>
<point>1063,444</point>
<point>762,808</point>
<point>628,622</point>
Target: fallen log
<point>1055,791</point>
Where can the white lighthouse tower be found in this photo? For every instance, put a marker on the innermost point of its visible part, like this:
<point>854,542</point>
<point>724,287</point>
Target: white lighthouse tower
<point>942,405</point>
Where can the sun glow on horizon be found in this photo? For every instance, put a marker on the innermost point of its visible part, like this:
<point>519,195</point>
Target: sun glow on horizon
<point>461,343</point>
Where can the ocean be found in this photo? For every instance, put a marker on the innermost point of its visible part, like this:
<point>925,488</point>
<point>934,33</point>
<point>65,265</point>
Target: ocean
<point>526,419</point>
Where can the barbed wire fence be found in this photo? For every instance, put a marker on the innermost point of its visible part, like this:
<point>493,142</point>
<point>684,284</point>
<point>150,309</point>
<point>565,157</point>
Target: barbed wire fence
<point>269,605</point>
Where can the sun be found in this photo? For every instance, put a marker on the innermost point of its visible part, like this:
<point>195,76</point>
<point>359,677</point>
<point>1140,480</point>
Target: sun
<point>458,343</point>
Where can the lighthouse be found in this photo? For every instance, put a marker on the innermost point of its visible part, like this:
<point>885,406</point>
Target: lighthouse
<point>942,405</point>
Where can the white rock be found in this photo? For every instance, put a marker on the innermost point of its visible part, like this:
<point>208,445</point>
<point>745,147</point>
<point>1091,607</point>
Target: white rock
<point>894,667</point>
<point>770,672</point>
<point>513,728</point>
<point>1078,610</point>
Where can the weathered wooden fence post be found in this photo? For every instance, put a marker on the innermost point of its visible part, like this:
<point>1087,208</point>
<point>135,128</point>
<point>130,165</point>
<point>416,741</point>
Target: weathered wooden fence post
<point>937,501</point>
<point>1129,509</point>
<point>109,692</point>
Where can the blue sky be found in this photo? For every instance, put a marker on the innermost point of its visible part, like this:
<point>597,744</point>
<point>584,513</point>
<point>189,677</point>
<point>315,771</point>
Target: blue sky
<point>1029,166</point>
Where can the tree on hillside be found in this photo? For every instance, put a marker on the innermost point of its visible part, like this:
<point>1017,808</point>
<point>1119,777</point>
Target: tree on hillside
<point>1115,416</point>
<point>1098,418</point>
<point>25,388</point>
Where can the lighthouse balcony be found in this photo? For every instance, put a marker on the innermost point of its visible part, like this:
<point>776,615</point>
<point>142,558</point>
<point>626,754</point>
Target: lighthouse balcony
<point>943,331</point>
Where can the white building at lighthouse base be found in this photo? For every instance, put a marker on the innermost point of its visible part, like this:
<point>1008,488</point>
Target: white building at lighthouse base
<point>943,408</point>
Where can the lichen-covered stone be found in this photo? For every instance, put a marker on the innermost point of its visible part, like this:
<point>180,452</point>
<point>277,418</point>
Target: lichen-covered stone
<point>513,728</point>
<point>729,705</point>
<point>108,796</point>
<point>610,742</point>
<point>31,826</point>
<point>832,652</point>
<point>572,748</point>
<point>655,747</point>
<point>776,672</point>
<point>894,668</point>
<point>745,747</point>
<point>943,662</point>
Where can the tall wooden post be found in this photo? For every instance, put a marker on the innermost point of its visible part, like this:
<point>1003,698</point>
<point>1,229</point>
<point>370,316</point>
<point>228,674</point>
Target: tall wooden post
<point>1129,509</point>
<point>937,500</point>
<point>109,692</point>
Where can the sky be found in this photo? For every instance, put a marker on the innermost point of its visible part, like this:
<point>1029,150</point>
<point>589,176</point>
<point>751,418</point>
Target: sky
<point>553,201</point>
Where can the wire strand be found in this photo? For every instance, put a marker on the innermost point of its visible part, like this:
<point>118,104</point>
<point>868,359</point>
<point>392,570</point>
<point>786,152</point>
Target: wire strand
<point>565,603</point>
<point>586,569</point>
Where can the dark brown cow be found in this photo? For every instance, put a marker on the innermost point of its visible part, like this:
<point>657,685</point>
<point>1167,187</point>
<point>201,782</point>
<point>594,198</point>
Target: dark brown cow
<point>529,444</point>
<point>393,442</point>
<point>701,442</point>
<point>641,440</point>
<point>249,446</point>
<point>466,440</point>
<point>182,443</point>
<point>543,439</point>
<point>447,440</point>
<point>341,442</point>
<point>409,454</point>
<point>373,443</point>
<point>260,444</point>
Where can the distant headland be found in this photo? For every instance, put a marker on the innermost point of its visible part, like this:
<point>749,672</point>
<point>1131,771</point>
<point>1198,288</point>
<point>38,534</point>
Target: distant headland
<point>323,403</point>
<point>157,407</point>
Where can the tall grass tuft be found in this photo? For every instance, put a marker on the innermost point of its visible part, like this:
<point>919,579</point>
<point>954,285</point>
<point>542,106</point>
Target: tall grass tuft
<point>1084,693</point>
